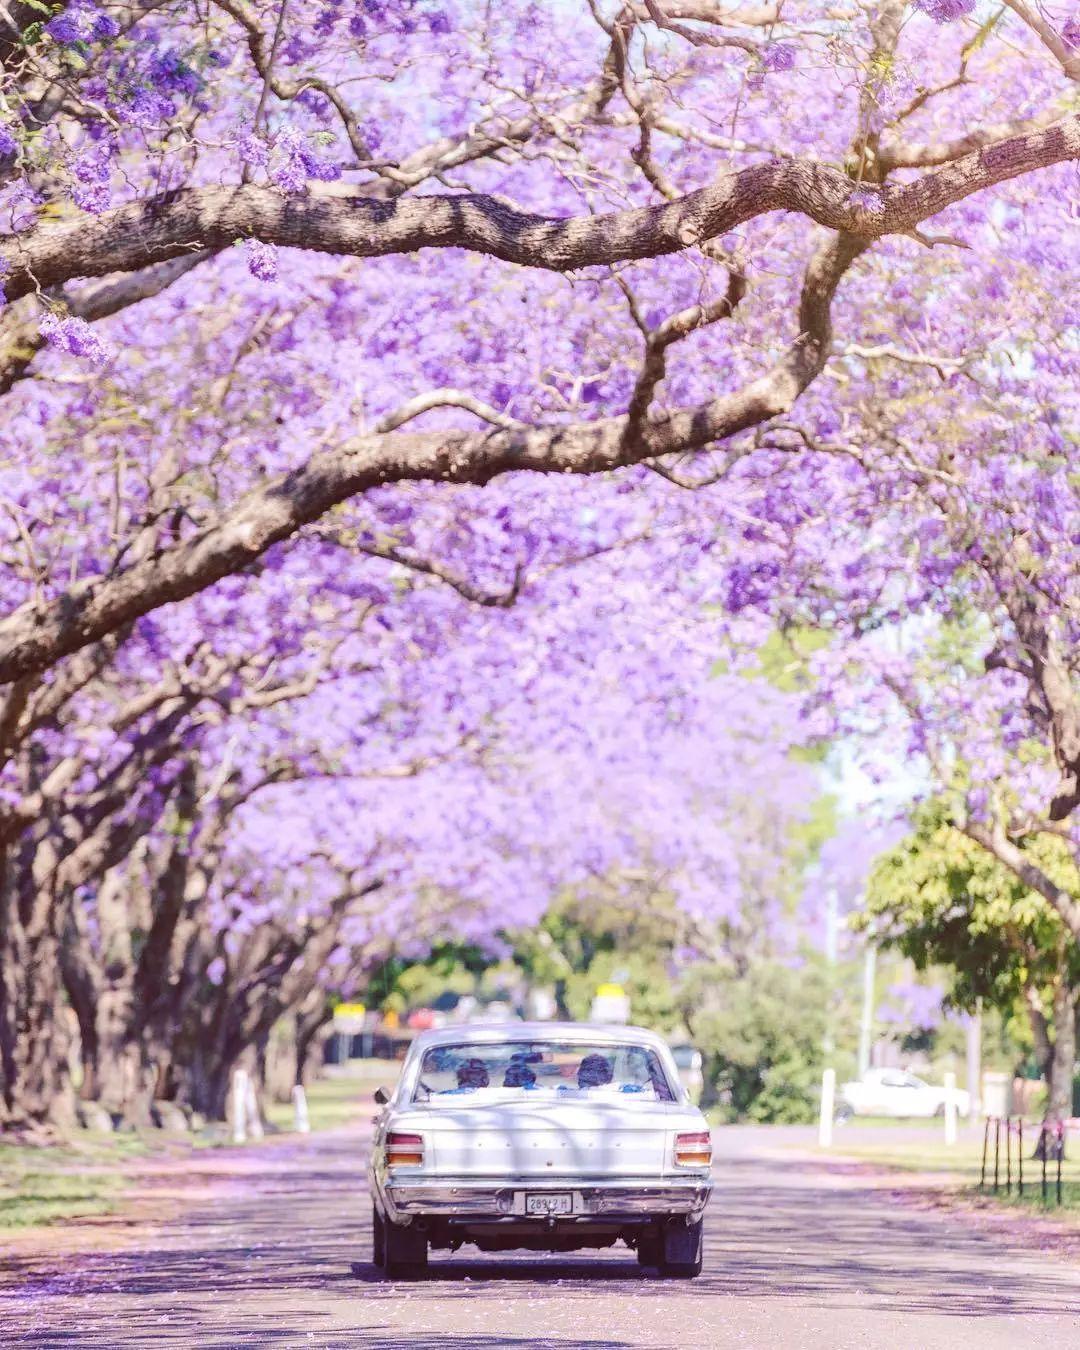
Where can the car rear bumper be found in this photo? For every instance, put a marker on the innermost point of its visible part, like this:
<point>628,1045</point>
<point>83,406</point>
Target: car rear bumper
<point>469,1201</point>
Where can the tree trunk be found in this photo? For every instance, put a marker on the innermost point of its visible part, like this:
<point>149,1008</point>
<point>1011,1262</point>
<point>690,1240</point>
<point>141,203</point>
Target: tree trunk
<point>313,1025</point>
<point>1063,1063</point>
<point>35,1034</point>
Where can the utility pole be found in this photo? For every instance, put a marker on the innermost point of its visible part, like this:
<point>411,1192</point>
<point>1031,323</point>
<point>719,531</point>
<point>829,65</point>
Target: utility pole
<point>974,1060</point>
<point>866,1022</point>
<point>832,942</point>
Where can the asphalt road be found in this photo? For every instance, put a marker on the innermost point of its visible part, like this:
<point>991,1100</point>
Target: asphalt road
<point>798,1256</point>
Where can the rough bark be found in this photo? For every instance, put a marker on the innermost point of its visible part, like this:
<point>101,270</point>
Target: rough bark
<point>1063,1064</point>
<point>351,223</point>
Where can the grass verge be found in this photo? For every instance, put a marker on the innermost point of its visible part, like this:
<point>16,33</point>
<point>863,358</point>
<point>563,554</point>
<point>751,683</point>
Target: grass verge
<point>87,1175</point>
<point>959,1168</point>
<point>47,1185</point>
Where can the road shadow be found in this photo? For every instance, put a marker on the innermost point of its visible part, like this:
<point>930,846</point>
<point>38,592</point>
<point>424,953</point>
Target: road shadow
<point>774,1232</point>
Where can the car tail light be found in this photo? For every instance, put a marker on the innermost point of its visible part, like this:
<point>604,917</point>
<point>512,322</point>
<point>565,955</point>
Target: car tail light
<point>693,1150</point>
<point>404,1150</point>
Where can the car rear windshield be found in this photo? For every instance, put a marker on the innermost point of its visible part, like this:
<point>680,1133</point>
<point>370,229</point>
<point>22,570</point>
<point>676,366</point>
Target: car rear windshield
<point>570,1069</point>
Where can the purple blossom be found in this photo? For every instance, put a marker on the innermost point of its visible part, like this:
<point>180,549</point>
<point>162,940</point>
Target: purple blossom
<point>148,108</point>
<point>778,56</point>
<point>9,143</point>
<point>104,28</point>
<point>253,149</point>
<point>91,197</point>
<point>945,11</point>
<point>262,259</point>
<point>1070,34</point>
<point>74,337</point>
<point>65,28</point>
<point>170,73</point>
<point>5,268</point>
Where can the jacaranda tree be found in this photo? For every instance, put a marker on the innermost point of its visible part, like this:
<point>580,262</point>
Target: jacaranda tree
<point>470,372</point>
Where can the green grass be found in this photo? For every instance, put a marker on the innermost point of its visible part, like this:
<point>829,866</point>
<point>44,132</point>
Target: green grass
<point>88,1174</point>
<point>41,1186</point>
<point>332,1102</point>
<point>959,1167</point>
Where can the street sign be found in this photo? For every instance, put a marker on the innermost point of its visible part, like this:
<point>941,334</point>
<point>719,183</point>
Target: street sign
<point>610,1004</point>
<point>349,1018</point>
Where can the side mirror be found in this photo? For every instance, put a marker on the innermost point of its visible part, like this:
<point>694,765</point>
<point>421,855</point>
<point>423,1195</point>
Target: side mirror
<point>382,1096</point>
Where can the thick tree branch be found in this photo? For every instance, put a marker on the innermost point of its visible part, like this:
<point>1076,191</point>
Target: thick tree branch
<point>994,839</point>
<point>36,636</point>
<point>353,224</point>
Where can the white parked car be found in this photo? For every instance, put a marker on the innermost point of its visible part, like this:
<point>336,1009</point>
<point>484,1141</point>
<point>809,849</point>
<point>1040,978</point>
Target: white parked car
<point>893,1092</point>
<point>689,1063</point>
<point>546,1136</point>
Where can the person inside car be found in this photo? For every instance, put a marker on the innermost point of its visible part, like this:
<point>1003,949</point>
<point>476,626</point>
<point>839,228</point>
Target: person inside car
<point>519,1074</point>
<point>594,1071</point>
<point>471,1074</point>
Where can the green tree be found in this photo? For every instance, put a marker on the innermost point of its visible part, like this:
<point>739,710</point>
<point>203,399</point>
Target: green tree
<point>762,1036</point>
<point>943,900</point>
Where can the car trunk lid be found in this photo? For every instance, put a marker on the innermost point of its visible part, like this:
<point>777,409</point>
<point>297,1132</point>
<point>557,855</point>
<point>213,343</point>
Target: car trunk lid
<point>587,1139</point>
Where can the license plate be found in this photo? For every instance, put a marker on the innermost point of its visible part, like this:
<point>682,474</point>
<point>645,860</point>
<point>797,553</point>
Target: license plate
<point>549,1204</point>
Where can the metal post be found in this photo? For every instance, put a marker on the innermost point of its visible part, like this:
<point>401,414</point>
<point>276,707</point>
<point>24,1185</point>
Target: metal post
<point>1008,1155</point>
<point>997,1150</point>
<point>1020,1155</point>
<point>1060,1155</point>
<point>1042,1154</point>
<point>986,1146</point>
<point>828,1101</point>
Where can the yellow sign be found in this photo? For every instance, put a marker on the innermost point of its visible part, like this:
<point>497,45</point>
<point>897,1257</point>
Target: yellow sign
<point>350,1010</point>
<point>610,991</point>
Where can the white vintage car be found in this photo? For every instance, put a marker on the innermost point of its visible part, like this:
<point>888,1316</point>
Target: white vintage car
<point>547,1136</point>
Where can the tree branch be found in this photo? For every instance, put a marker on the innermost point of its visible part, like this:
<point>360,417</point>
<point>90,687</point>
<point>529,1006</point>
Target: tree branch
<point>37,635</point>
<point>353,224</point>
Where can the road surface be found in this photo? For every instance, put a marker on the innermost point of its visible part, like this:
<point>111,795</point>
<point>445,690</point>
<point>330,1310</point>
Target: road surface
<point>799,1255</point>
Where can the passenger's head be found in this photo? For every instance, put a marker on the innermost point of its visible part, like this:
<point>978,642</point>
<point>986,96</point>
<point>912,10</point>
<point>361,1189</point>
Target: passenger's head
<point>518,1074</point>
<point>594,1071</point>
<point>472,1074</point>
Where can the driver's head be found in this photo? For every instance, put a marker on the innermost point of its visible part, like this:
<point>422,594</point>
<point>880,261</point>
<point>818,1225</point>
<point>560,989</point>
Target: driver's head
<point>594,1071</point>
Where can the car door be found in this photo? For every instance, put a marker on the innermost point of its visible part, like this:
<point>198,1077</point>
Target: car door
<point>894,1096</point>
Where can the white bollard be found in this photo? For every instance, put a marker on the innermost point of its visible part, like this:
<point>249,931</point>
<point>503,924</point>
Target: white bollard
<point>254,1120</point>
<point>950,1108</point>
<point>301,1123</point>
<point>239,1106</point>
<point>828,1103</point>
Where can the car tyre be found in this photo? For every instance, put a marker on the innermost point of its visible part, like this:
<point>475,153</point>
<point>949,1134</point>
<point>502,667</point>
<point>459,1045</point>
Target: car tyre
<point>405,1251</point>
<point>378,1238</point>
<point>650,1248</point>
<point>683,1249</point>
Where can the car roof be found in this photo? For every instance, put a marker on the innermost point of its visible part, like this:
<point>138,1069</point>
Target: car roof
<point>491,1033</point>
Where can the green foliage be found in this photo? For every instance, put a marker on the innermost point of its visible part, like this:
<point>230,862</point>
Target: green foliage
<point>396,984</point>
<point>653,1001</point>
<point>784,658</point>
<point>942,900</point>
<point>762,1035</point>
<point>584,941</point>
